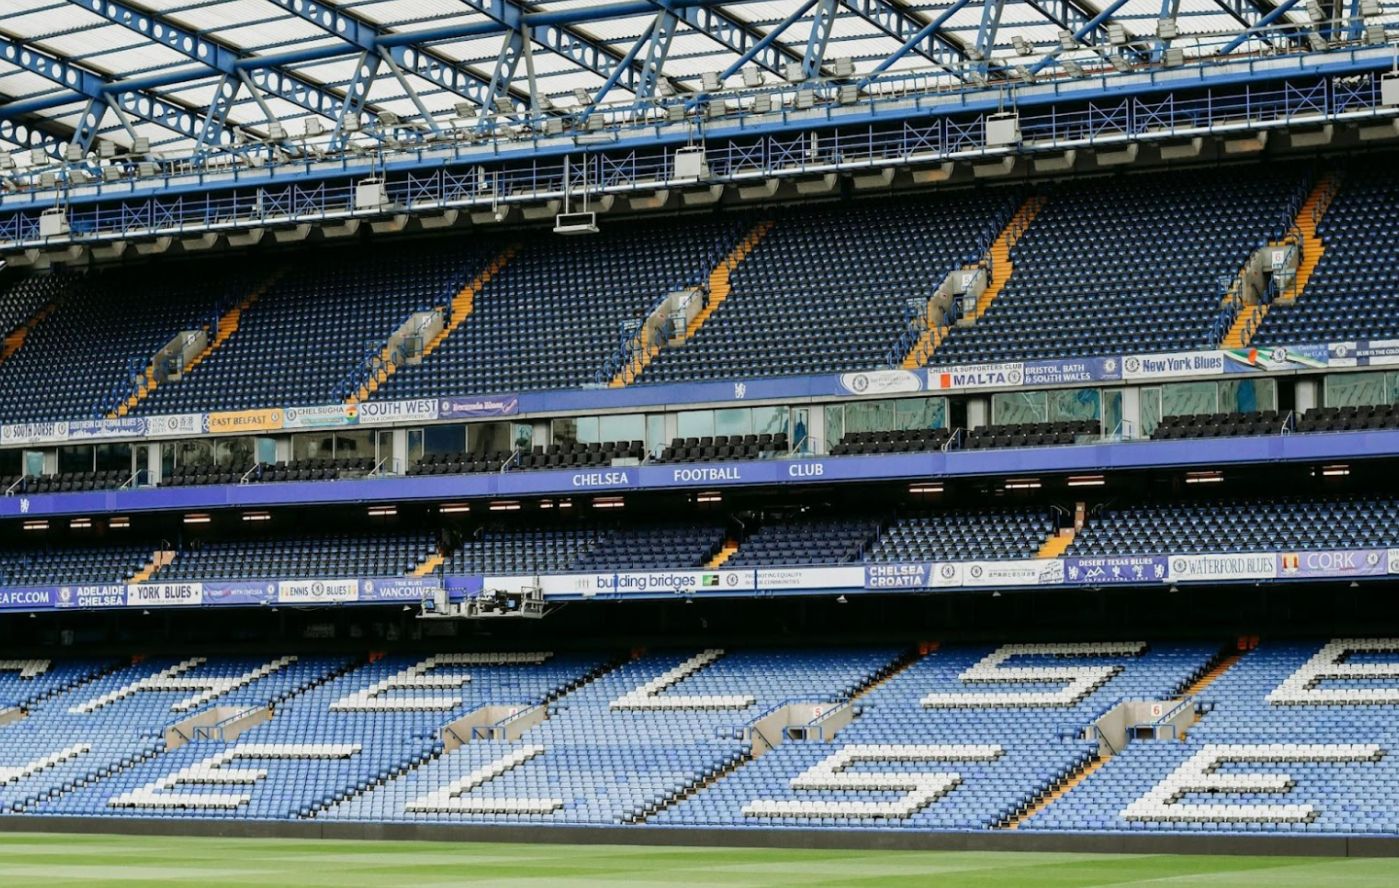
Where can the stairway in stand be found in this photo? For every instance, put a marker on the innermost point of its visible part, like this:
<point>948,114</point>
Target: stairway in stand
<point>1057,543</point>
<point>14,340</point>
<point>719,289</point>
<point>1000,266</point>
<point>1312,211</point>
<point>724,554</point>
<point>458,311</point>
<point>224,329</point>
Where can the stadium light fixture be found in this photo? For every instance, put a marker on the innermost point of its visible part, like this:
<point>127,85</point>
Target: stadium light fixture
<point>709,496</point>
<point>36,525</point>
<point>609,502</point>
<point>198,518</point>
<point>257,516</point>
<point>841,599</point>
<point>923,489</point>
<point>1204,477</point>
<point>454,508</point>
<point>383,511</point>
<point>119,523</point>
<point>1335,471</point>
<point>1022,484</point>
<point>505,506</point>
<point>1087,481</point>
<point>1071,68</point>
<point>80,523</point>
<point>1022,46</point>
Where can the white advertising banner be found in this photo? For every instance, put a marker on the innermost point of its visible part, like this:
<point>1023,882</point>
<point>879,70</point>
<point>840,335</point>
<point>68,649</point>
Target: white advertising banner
<point>317,591</point>
<point>1206,363</point>
<point>779,578</point>
<point>1026,572</point>
<point>1240,566</point>
<point>386,412</point>
<point>164,594</point>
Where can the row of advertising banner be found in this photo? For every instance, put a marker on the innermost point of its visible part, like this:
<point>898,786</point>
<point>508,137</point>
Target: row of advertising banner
<point>873,383</point>
<point>1139,570</point>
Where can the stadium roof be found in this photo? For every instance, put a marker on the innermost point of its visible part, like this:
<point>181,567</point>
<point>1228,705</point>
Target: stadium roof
<point>186,73</point>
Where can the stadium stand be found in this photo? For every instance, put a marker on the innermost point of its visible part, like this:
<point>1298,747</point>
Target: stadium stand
<point>806,541</point>
<point>82,361</point>
<point>1295,738</point>
<point>553,317</point>
<point>963,535</point>
<point>1221,425</point>
<point>55,565</point>
<point>1353,292</point>
<point>1128,265</point>
<point>1037,434</point>
<point>306,336</point>
<point>324,556</point>
<point>829,290</point>
<point>1240,525</point>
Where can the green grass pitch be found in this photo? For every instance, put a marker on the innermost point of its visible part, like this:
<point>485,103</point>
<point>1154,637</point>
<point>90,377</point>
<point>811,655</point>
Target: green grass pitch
<point>92,861</point>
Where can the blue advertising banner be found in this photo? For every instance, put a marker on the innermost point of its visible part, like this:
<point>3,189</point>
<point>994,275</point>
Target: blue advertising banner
<point>478,408</point>
<point>397,588</point>
<point>1116,569</point>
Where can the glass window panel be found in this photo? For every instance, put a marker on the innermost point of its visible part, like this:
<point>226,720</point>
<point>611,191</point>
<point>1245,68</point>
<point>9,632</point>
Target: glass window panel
<point>354,444</point>
<point>1112,412</point>
<point>1393,387</point>
<point>312,445</point>
<point>920,413</point>
<point>835,423</point>
<point>869,416</point>
<point>1356,389</point>
<point>75,459</point>
<point>1073,405</point>
<point>1189,398</point>
<point>564,431</point>
<point>444,438</point>
<point>113,456</point>
<point>1150,408</point>
<point>1010,408</point>
<point>695,423</point>
<point>770,420</point>
<point>197,452</point>
<point>415,446</point>
<point>625,427</point>
<point>656,440</point>
<point>733,421</point>
<point>1248,395</point>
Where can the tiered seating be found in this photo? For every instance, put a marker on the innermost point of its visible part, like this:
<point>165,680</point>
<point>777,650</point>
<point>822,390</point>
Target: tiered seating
<point>1315,723</point>
<point>1252,525</point>
<point>328,556</point>
<point>623,746</point>
<point>66,482</point>
<point>77,363</point>
<point>108,563</point>
<point>1032,434</point>
<point>932,750</point>
<point>202,474</point>
<point>320,469</point>
<point>554,456</point>
<point>320,322</point>
<point>522,551</point>
<point>1350,419</point>
<point>592,548</point>
<point>896,441</point>
<point>552,318</point>
<point>986,534</point>
<point>23,296</point>
<point>341,738</point>
<point>653,547</point>
<point>1219,425</point>
<point>706,448</point>
<point>75,749</point>
<point>1353,292</point>
<point>25,682</point>
<point>805,541</point>
<point>1129,264</point>
<point>828,289</point>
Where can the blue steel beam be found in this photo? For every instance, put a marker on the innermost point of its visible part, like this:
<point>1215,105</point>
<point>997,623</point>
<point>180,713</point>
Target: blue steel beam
<point>986,34</point>
<point>1081,34</point>
<point>1072,15</point>
<point>367,38</point>
<point>85,84</point>
<point>734,35</point>
<point>819,38</point>
<point>271,79</point>
<point>657,51</point>
<point>1277,13</point>
<point>928,30</point>
<point>912,32</point>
